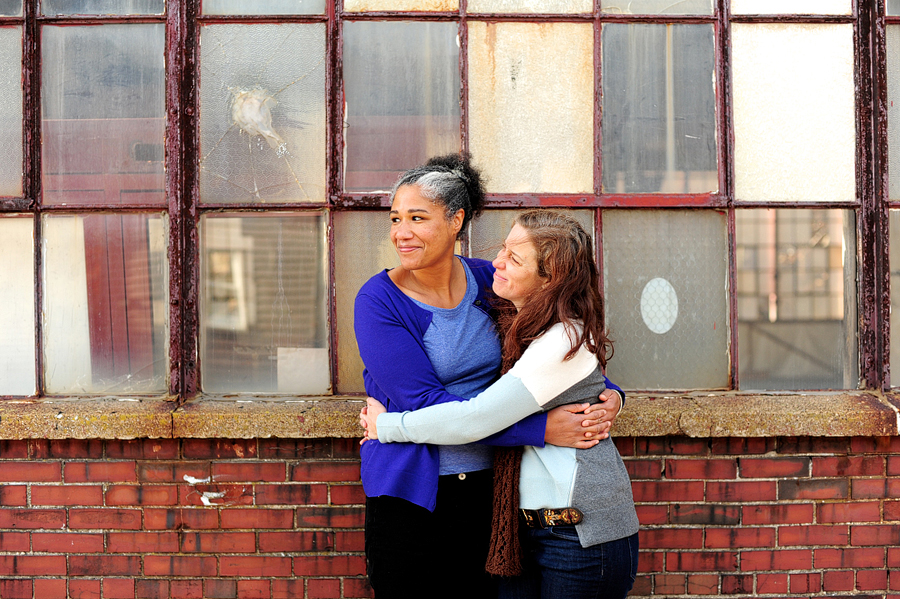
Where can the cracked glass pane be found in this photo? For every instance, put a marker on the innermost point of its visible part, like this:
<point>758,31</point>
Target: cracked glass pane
<point>103,7</point>
<point>17,354</point>
<point>11,111</point>
<point>665,281</point>
<point>262,113</point>
<point>796,297</point>
<point>263,302</point>
<point>105,304</point>
<point>657,7</point>
<point>103,109</point>
<point>789,78</point>
<point>531,105</point>
<point>659,109</point>
<point>787,7</point>
<point>531,6</point>
<point>893,110</point>
<point>401,89</point>
<point>263,7</point>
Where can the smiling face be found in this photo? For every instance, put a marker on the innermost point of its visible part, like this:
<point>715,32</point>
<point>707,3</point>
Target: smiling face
<point>516,277</point>
<point>420,231</point>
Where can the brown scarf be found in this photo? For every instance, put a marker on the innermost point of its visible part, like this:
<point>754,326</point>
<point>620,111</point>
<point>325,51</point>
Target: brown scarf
<point>505,553</point>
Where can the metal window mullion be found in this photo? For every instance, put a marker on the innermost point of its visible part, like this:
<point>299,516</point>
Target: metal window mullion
<point>725,124</point>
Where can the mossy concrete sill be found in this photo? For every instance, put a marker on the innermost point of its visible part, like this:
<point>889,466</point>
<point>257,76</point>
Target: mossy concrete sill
<point>857,414</point>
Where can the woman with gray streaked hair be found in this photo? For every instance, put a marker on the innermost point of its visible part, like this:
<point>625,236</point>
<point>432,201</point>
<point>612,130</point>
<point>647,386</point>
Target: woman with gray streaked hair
<point>426,336</point>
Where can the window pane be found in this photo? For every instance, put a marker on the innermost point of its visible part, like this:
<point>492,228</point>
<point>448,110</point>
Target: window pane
<point>796,299</point>
<point>893,7</point>
<point>12,8</point>
<point>531,6</point>
<point>893,110</point>
<point>895,296</point>
<point>11,111</point>
<point>262,116</point>
<point>401,87</point>
<point>263,304</point>
<point>105,304</point>
<point>103,7</point>
<point>531,105</point>
<point>786,7</point>
<point>263,7</point>
<point>103,114</point>
<point>666,288</point>
<point>489,231</point>
<point>401,5</point>
<point>657,7</point>
<point>789,79</point>
<point>17,298</point>
<point>659,109</point>
<point>352,268</point>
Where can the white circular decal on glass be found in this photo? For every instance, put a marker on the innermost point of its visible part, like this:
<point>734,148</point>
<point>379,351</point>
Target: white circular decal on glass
<point>659,305</point>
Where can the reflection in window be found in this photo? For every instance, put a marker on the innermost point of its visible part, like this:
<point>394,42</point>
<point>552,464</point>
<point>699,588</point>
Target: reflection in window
<point>401,84</point>
<point>105,307</point>
<point>893,109</point>
<point>263,305</point>
<point>103,101</point>
<point>262,113</point>
<point>659,112</point>
<point>263,7</point>
<point>796,299</point>
<point>103,7</point>
<point>11,111</point>
<point>17,298</point>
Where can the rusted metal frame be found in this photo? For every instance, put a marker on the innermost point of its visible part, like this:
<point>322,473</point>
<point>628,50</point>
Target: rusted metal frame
<point>334,132</point>
<point>881,176</point>
<point>661,18</point>
<point>582,200</point>
<point>799,19</point>
<point>79,20</point>
<point>100,207</point>
<point>260,207</point>
<point>31,163</point>
<point>260,19</point>
<point>797,204</point>
<point>598,109</point>
<point>724,105</point>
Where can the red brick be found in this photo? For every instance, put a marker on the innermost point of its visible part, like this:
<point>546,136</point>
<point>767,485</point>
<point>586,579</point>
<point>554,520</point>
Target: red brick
<point>179,565</point>
<point>645,469</point>
<point>142,542</point>
<point>875,445</point>
<point>255,565</point>
<point>802,584</point>
<point>706,561</point>
<point>249,472</point>
<point>884,536</point>
<point>14,449</point>
<point>298,541</point>
<point>347,495</point>
<point>774,467</point>
<point>742,445</point>
<point>875,488</point>
<point>14,542</point>
<point>652,561</point>
<point>777,513</point>
<point>253,589</point>
<point>625,445</point>
<point>151,589</point>
<point>220,589</point>
<point>16,588</point>
<point>257,518</point>
<point>289,588</point>
<point>118,588</point>
<point>305,449</point>
<point>848,466</point>
<point>109,518</point>
<point>50,588</point>
<point>701,469</point>
<point>894,580</point>
<point>669,584</point>
<point>71,449</point>
<point>108,565</point>
<point>218,542</point>
<point>793,445</point>
<point>817,488</point>
<point>356,588</point>
<point>291,494</point>
<point>893,557</point>
<point>724,538</point>
<point>67,542</point>
<point>32,565</point>
<point>175,519</point>
<point>665,491</point>
<point>19,518</point>
<point>220,448</point>
<point>14,495</point>
<point>705,513</point>
<point>652,514</point>
<point>326,517</point>
<point>741,491</point>
<point>813,535</point>
<point>172,472</point>
<point>84,589</point>
<point>787,559</point>
<point>186,589</point>
<point>218,494</point>
<point>338,565</point>
<point>871,580</point>
<point>837,580</point>
<point>892,510</point>
<point>768,584</point>
<point>738,585</point>
<point>325,471</point>
<point>323,588</point>
<point>142,495</point>
<point>671,446</point>
<point>92,472</point>
<point>643,586</point>
<point>671,538</point>
<point>849,512</point>
<point>27,472</point>
<point>850,558</point>
<point>142,449</point>
<point>67,495</point>
<point>893,465</point>
<point>345,540</point>
<point>703,584</point>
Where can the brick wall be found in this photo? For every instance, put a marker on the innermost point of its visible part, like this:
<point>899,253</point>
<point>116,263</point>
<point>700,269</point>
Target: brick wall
<point>784,517</point>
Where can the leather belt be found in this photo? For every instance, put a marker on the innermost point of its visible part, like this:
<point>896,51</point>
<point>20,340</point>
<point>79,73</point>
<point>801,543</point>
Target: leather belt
<point>546,517</point>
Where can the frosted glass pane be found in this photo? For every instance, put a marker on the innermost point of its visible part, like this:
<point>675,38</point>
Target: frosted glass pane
<point>352,268</point>
<point>895,296</point>
<point>401,5</point>
<point>263,305</point>
<point>531,6</point>
<point>531,105</point>
<point>103,7</point>
<point>263,7</point>
<point>489,231</point>
<point>796,299</point>
<point>790,80</point>
<point>893,110</point>
<point>893,7</point>
<point>659,109</point>
<point>262,113</point>
<point>11,111</point>
<point>787,7</point>
<point>11,8</point>
<point>666,288</point>
<point>657,7</point>
<point>105,304</point>
<point>17,356</point>
<point>401,90</point>
<point>104,121</point>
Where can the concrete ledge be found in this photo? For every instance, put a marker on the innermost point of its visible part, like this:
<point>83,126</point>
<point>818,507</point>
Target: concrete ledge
<point>858,414</point>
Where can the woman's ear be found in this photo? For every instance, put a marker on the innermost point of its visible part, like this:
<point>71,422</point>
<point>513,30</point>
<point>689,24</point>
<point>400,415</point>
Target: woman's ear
<point>457,219</point>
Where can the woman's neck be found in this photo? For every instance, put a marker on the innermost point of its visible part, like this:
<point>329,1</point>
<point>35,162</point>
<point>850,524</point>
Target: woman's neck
<point>441,285</point>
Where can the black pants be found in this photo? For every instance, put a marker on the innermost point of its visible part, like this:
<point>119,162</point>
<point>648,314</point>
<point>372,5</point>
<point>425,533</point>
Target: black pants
<point>414,553</point>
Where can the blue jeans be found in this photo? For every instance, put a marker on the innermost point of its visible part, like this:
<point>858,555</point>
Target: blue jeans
<point>558,567</point>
